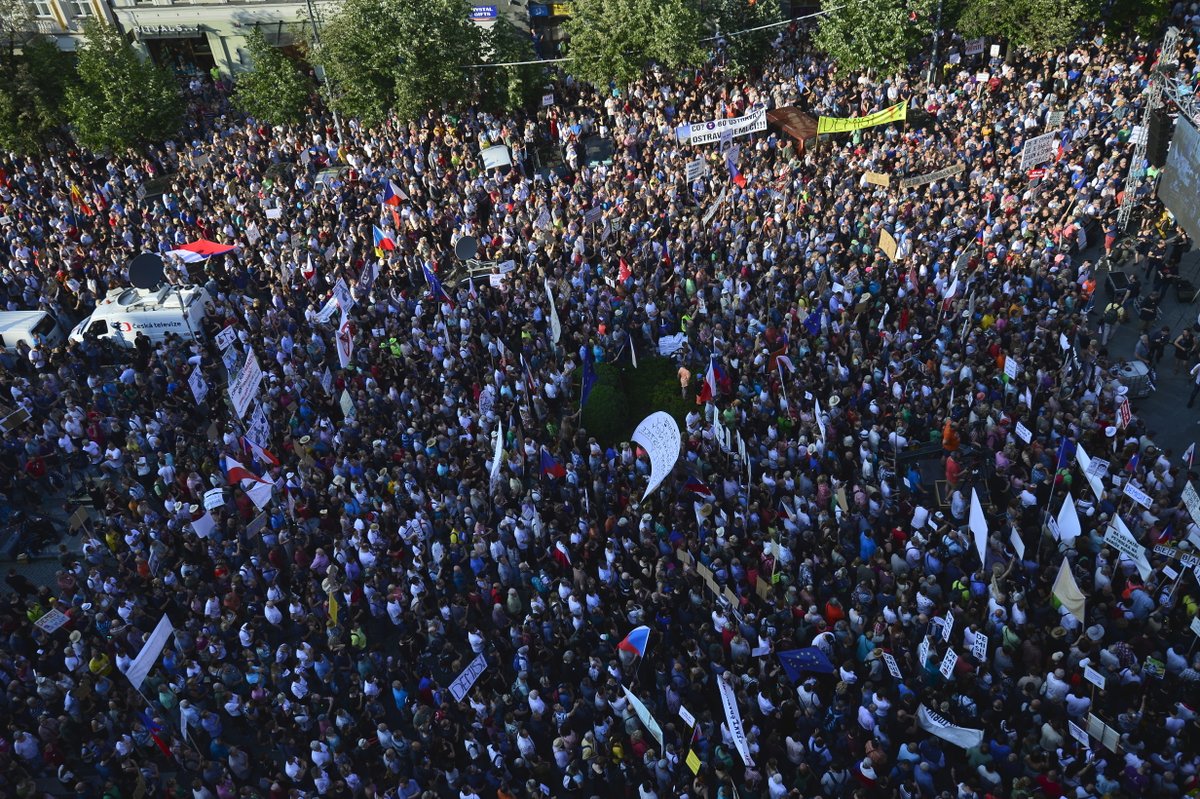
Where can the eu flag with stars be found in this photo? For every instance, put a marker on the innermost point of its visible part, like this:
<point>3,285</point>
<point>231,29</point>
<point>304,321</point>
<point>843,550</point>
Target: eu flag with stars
<point>809,658</point>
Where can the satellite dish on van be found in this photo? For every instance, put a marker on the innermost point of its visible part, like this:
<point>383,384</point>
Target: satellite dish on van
<point>146,271</point>
<point>466,247</point>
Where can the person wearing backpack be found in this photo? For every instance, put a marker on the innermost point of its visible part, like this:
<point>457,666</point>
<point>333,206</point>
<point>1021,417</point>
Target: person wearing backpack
<point>1109,321</point>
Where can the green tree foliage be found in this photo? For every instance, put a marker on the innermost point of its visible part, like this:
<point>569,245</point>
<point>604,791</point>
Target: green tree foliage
<point>273,90</point>
<point>1039,25</point>
<point>875,36</point>
<point>510,88</point>
<point>119,100</point>
<point>401,55</point>
<point>1143,17</point>
<point>32,93</point>
<point>746,50</point>
<point>613,41</point>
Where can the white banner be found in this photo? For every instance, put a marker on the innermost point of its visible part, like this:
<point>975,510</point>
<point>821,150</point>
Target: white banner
<point>495,470</point>
<point>978,525</point>
<point>709,132</point>
<point>659,436</point>
<point>344,341</point>
<point>555,326</point>
<point>1068,521</point>
<point>1119,538</point>
<point>1037,150</point>
<point>198,386</point>
<point>939,726</point>
<point>140,666</point>
<point>244,387</point>
<point>214,498</point>
<point>341,293</point>
<point>733,718</point>
<point>643,714</point>
<point>463,682</point>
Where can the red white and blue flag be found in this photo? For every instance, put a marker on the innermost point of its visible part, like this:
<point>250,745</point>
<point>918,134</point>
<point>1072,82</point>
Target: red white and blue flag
<point>393,194</point>
<point>551,467</point>
<point>636,641</point>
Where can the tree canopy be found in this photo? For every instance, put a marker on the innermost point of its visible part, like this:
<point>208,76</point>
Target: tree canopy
<point>746,50</point>
<point>1040,25</point>
<point>877,36</point>
<point>119,100</point>
<point>32,91</point>
<point>614,41</point>
<point>399,55</point>
<point>273,90</point>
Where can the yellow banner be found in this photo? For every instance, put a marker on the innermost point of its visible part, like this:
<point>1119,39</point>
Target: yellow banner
<point>893,113</point>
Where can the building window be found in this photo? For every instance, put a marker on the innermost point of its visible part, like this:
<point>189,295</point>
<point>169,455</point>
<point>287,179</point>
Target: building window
<point>41,9</point>
<point>81,8</point>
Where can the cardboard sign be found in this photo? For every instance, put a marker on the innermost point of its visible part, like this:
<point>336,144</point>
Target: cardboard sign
<point>878,178</point>
<point>887,243</point>
<point>1136,494</point>
<point>1079,734</point>
<point>226,337</point>
<point>51,621</point>
<point>1094,677</point>
<point>78,519</point>
<point>214,498</point>
<point>463,682</point>
<point>947,667</point>
<point>979,649</point>
<point>1024,433</point>
<point>1192,500</point>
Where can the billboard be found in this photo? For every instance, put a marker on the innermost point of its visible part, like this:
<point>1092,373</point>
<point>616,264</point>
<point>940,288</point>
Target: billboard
<point>1179,189</point>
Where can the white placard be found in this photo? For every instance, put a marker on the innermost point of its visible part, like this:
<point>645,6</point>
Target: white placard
<point>687,716</point>
<point>244,386</point>
<point>947,667</point>
<point>1192,500</point>
<point>1023,433</point>
<point>1136,494</point>
<point>709,132</point>
<point>140,666</point>
<point>1054,119</point>
<point>695,170</point>
<point>226,337</point>
<point>52,621</point>
<point>1079,734</point>
<point>327,381</point>
<point>923,651</point>
<point>659,435</point>
<point>507,266</point>
<point>1171,573</point>
<point>995,51</point>
<point>197,385</point>
<point>274,213</point>
<point>892,666</point>
<point>341,293</point>
<point>1119,538</point>
<point>495,157</point>
<point>327,310</point>
<point>1012,367</point>
<point>712,209</point>
<point>1195,626</point>
<point>463,682</point>
<point>979,648</point>
<point>1094,677</point>
<point>547,100</point>
<point>214,498</point>
<point>975,46</point>
<point>1037,150</point>
<point>204,526</point>
<point>948,625</point>
<point>1018,544</point>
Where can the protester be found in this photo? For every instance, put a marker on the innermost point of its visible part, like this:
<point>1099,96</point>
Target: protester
<point>316,649</point>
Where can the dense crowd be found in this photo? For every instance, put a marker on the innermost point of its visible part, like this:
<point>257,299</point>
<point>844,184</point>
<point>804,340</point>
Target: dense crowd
<point>314,646</point>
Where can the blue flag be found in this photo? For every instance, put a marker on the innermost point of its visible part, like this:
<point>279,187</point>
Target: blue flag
<point>589,376</point>
<point>809,658</point>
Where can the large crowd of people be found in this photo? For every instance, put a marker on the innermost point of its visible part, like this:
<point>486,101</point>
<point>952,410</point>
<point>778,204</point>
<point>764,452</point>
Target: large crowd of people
<point>315,645</point>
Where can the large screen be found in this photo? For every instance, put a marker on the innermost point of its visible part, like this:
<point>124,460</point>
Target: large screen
<point>1179,189</point>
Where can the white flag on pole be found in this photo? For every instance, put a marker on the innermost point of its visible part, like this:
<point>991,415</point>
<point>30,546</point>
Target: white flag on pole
<point>140,666</point>
<point>643,714</point>
<point>979,529</point>
<point>733,719</point>
<point>499,451</point>
<point>936,724</point>
<point>555,327</point>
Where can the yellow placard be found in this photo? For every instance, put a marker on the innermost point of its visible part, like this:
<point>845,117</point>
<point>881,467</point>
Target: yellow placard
<point>878,179</point>
<point>887,243</point>
<point>560,9</point>
<point>893,113</point>
<point>693,762</point>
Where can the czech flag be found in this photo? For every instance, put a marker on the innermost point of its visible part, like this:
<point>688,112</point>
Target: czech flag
<point>392,194</point>
<point>200,250</point>
<point>260,454</point>
<point>636,641</point>
<point>550,465</point>
<point>715,381</point>
<point>236,472</point>
<point>734,173</point>
<point>383,242</point>
<point>696,486</point>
